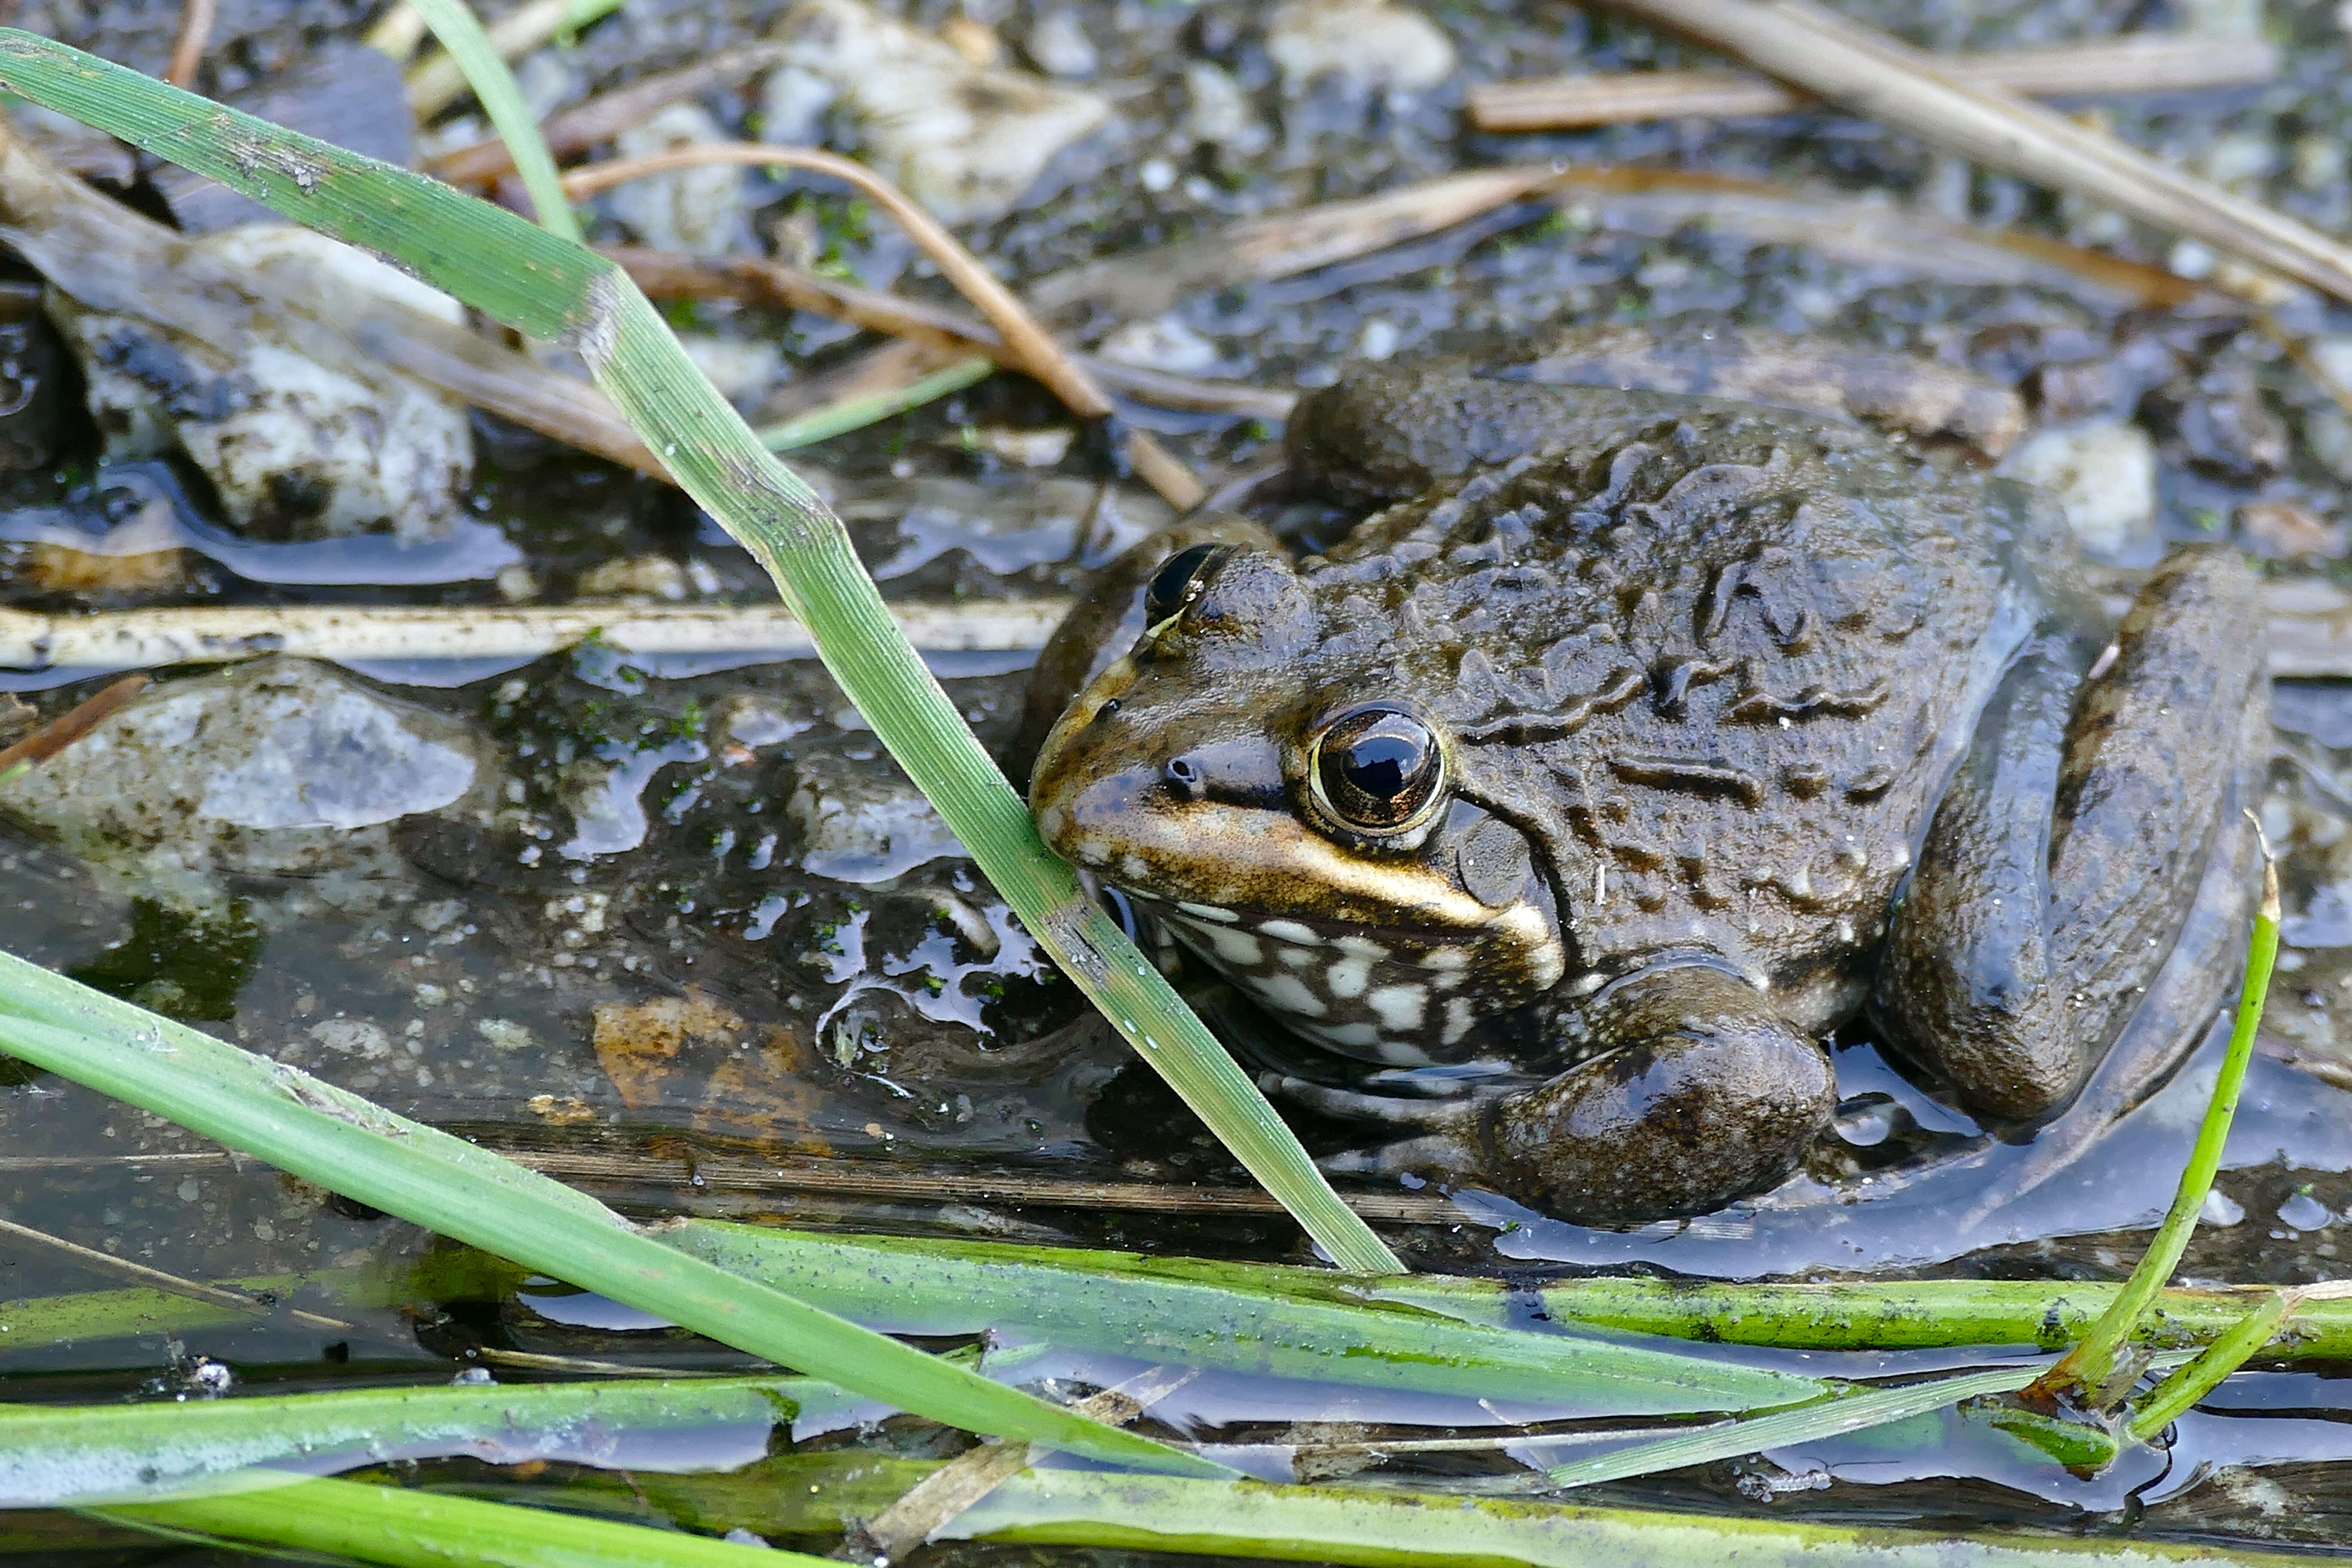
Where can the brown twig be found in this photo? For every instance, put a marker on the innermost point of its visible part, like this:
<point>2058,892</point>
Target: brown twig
<point>69,727</point>
<point>605,116</point>
<point>139,1274</point>
<point>2132,64</point>
<point>1878,77</point>
<point>1279,246</point>
<point>188,48</point>
<point>753,279</point>
<point>1026,347</point>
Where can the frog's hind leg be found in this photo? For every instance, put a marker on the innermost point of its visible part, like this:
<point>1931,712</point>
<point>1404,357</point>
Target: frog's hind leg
<point>1705,1094</point>
<point>2060,866</point>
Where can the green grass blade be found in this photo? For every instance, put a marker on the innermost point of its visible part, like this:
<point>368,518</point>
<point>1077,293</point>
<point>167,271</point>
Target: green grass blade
<point>1842,1413</point>
<point>403,1529</point>
<point>472,52</point>
<point>921,1287</point>
<point>857,413</point>
<point>2089,1365</point>
<point>809,1494</point>
<point>2184,1386</point>
<point>112,1453</point>
<point>322,1133</point>
<point>548,288</point>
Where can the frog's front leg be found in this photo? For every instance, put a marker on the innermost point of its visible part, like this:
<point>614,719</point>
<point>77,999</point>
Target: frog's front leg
<point>1703,1094</point>
<point>2059,868</point>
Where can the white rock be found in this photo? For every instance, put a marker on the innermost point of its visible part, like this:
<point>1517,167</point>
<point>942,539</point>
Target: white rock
<point>858,823</point>
<point>792,102</point>
<point>1221,113</point>
<point>301,432</point>
<point>1161,343</point>
<point>1057,41</point>
<point>2328,435</point>
<point>742,369</point>
<point>704,210</point>
<point>967,142</point>
<point>1366,45</point>
<point>281,767</point>
<point>2103,473</point>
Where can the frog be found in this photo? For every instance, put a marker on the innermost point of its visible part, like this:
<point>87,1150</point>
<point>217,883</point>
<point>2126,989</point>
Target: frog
<point>1636,744</point>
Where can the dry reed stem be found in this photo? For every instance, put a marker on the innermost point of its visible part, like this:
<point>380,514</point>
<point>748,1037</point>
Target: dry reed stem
<point>188,46</point>
<point>140,1274</point>
<point>1878,77</point>
<point>69,727</point>
<point>138,639</point>
<point>437,82</point>
<point>1026,347</point>
<point>755,279</point>
<point>574,131</point>
<point>2131,64</point>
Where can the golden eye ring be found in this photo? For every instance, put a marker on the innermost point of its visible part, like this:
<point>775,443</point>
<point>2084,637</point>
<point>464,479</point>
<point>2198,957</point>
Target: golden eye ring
<point>1379,769</point>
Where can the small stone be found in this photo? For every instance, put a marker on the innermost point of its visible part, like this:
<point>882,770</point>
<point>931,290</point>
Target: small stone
<point>1057,41</point>
<point>1156,174</point>
<point>1221,113</point>
<point>2302,1212</point>
<point>2327,436</point>
<point>703,210</point>
<point>858,823</point>
<point>282,767</point>
<point>744,370</point>
<point>1379,339</point>
<point>2103,474</point>
<point>636,577</point>
<point>967,142</point>
<point>2285,531</point>
<point>1362,46</point>
<point>2221,1209</point>
<point>303,432</point>
<point>1042,448</point>
<point>1161,343</point>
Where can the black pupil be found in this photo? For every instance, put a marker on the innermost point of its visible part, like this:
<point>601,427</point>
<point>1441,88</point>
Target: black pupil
<point>1379,768</point>
<point>1383,765</point>
<point>1176,574</point>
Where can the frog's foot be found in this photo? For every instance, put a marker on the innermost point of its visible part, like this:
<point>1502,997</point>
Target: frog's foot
<point>1708,1094</point>
<point>2061,868</point>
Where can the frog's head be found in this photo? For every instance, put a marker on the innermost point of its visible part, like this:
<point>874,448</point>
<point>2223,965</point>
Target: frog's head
<point>1297,816</point>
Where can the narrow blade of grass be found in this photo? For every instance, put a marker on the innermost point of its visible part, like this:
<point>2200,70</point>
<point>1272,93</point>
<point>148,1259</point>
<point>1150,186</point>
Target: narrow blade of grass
<point>87,1455</point>
<point>810,1494</point>
<point>2088,1365</point>
<point>551,289</point>
<point>315,1131</point>
<point>948,1287</point>
<point>857,413</point>
<point>402,1529</point>
<point>471,51</point>
<point>1841,1412</point>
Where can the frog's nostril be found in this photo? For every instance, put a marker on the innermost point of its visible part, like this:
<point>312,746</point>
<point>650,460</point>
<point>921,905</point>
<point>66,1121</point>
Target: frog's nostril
<point>1184,773</point>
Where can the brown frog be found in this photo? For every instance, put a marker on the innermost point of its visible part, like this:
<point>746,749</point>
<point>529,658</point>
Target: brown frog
<point>1644,740</point>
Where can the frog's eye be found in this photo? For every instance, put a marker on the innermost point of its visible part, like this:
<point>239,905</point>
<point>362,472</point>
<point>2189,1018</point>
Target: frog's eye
<point>1179,582</point>
<point>1378,770</point>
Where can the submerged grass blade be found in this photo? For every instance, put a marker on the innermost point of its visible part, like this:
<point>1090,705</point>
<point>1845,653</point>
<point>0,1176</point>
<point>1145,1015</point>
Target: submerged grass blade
<point>315,1131</point>
<point>814,1494</point>
<point>403,1529</point>
<point>550,288</point>
<point>2089,1365</point>
<point>87,1455</point>
<point>953,1289</point>
<point>1841,1413</point>
<point>471,51</point>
